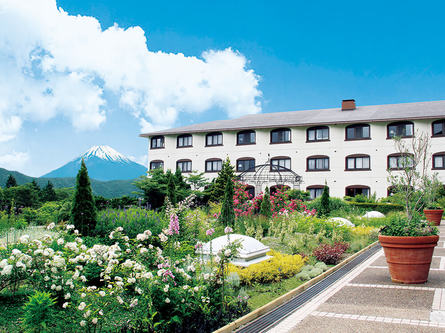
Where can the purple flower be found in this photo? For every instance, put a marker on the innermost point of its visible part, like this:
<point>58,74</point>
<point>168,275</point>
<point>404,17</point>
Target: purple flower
<point>228,230</point>
<point>210,232</point>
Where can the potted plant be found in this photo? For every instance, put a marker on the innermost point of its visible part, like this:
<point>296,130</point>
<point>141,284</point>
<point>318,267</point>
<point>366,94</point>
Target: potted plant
<point>407,240</point>
<point>433,213</point>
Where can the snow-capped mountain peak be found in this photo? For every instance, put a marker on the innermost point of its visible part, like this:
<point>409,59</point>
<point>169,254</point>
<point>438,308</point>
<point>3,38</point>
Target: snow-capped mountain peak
<point>103,163</point>
<point>105,153</point>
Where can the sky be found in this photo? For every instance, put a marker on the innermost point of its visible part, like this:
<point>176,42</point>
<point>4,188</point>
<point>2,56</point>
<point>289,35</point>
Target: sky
<point>74,74</point>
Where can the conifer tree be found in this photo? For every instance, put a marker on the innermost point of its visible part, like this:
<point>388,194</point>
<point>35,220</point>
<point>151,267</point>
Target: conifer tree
<point>266,208</point>
<point>83,212</point>
<point>226,174</point>
<point>227,216</point>
<point>11,182</point>
<point>171,188</point>
<point>324,202</point>
<point>48,193</point>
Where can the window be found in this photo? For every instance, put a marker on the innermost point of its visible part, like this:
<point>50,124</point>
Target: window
<point>157,142</point>
<point>278,188</point>
<point>358,162</point>
<point>358,132</point>
<point>251,190</point>
<point>315,191</point>
<point>439,127</point>
<point>245,164</point>
<point>213,165</point>
<point>399,161</point>
<point>214,139</point>
<point>184,141</point>
<point>279,163</point>
<point>245,138</point>
<point>317,163</point>
<point>156,165</point>
<point>320,133</point>
<point>281,135</point>
<point>439,161</point>
<point>353,190</point>
<point>184,165</point>
<point>403,129</point>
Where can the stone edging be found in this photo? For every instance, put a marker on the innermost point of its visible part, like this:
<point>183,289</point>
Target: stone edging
<point>286,297</point>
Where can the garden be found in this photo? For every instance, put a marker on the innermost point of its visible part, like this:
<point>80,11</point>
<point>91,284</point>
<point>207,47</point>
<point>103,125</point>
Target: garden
<point>78,263</point>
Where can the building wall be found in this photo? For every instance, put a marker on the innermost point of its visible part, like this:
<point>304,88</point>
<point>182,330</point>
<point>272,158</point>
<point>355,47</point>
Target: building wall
<point>378,147</point>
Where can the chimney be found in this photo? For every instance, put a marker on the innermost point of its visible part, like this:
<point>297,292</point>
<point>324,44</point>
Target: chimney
<point>348,105</point>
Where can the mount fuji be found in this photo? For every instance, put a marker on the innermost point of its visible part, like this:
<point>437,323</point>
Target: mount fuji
<point>103,163</point>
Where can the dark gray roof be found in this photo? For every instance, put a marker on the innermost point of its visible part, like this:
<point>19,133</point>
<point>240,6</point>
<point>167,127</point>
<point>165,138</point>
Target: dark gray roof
<point>371,113</point>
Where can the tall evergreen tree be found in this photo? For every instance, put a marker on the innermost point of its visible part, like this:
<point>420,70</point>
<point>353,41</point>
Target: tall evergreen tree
<point>83,212</point>
<point>171,188</point>
<point>227,216</point>
<point>48,193</point>
<point>226,174</point>
<point>324,202</point>
<point>11,182</point>
<point>266,208</point>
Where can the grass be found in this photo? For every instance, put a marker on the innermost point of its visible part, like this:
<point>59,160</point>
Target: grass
<point>261,294</point>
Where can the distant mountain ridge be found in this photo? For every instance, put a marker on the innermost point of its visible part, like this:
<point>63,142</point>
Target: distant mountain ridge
<point>103,163</point>
<point>107,189</point>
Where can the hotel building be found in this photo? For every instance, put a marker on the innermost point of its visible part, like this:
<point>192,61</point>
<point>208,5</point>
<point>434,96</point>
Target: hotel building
<point>350,148</point>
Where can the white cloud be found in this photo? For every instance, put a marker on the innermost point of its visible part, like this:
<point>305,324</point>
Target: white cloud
<point>53,63</point>
<point>14,160</point>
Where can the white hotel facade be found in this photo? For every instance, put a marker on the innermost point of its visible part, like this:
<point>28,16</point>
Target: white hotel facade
<point>350,148</point>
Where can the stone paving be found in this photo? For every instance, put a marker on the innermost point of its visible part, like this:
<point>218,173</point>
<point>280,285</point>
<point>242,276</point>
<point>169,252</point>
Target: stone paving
<point>366,300</point>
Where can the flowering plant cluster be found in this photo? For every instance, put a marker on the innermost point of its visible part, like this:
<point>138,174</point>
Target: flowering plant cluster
<point>245,205</point>
<point>131,284</point>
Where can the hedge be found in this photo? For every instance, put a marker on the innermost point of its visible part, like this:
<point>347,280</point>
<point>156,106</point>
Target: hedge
<point>383,208</point>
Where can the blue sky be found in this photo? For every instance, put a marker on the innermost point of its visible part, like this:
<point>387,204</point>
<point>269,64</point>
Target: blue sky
<point>299,55</point>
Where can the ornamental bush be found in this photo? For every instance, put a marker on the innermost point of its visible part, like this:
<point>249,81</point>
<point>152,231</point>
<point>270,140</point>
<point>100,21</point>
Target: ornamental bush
<point>279,267</point>
<point>330,254</point>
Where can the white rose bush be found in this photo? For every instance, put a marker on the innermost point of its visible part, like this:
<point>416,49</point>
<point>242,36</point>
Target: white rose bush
<point>142,284</point>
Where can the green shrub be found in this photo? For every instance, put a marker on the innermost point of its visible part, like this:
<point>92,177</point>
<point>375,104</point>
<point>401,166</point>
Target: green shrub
<point>399,225</point>
<point>383,208</point>
<point>266,208</point>
<point>303,276</point>
<point>295,194</point>
<point>321,265</point>
<point>38,312</point>
<point>315,272</point>
<point>334,204</point>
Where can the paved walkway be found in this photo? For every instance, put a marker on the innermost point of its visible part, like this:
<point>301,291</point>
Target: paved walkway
<point>366,300</point>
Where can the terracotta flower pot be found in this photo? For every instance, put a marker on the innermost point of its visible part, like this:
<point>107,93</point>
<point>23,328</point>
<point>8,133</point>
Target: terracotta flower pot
<point>433,215</point>
<point>408,258</point>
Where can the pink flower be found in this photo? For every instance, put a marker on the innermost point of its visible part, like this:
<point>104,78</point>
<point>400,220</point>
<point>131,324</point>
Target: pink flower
<point>210,232</point>
<point>173,228</point>
<point>228,230</point>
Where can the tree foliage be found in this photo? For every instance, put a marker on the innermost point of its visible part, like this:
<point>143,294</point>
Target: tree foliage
<point>11,182</point>
<point>155,187</point>
<point>266,208</point>
<point>48,193</point>
<point>227,174</point>
<point>227,216</point>
<point>83,213</point>
<point>324,202</point>
<point>412,180</point>
<point>171,188</point>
